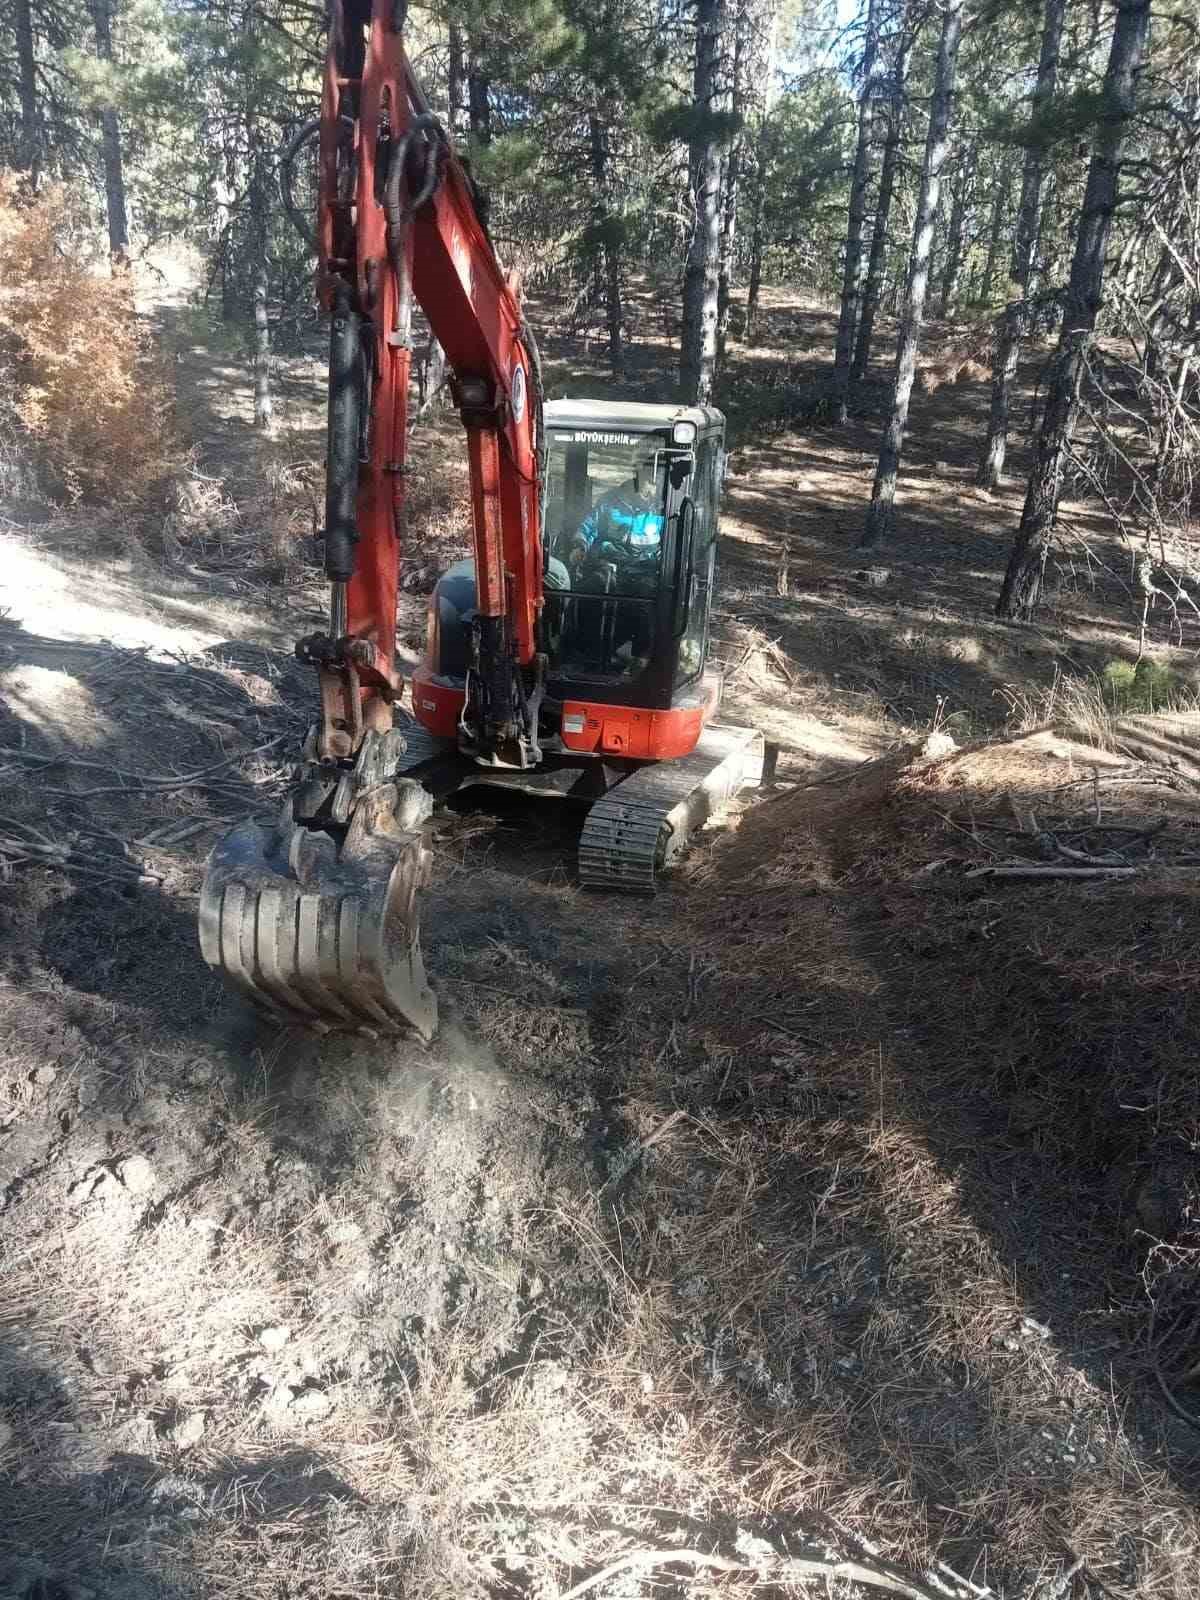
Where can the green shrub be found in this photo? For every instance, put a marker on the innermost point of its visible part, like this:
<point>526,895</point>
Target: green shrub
<point>1148,686</point>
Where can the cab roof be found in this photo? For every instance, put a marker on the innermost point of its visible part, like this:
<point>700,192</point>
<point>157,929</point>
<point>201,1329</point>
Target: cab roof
<point>630,415</point>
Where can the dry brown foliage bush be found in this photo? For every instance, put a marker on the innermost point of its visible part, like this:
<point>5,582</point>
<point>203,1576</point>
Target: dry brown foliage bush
<point>85,386</point>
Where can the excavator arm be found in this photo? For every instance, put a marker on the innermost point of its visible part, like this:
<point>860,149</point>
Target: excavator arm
<point>398,220</point>
<point>315,917</point>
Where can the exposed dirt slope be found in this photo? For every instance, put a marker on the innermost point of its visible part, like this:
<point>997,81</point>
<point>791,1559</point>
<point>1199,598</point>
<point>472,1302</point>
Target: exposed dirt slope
<point>814,1202</point>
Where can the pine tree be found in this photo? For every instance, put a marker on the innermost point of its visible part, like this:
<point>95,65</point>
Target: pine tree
<point>1023,578</point>
<point>1023,270</point>
<point>896,107</point>
<point>116,207</point>
<point>698,354</point>
<point>883,497</point>
<point>852,267</point>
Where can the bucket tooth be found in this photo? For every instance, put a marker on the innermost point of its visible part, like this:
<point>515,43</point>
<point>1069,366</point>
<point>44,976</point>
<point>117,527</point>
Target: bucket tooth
<point>319,930</point>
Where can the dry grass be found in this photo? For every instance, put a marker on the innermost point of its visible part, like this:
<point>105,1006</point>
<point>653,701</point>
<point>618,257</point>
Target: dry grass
<point>268,528</point>
<point>931,1132</point>
<point>1097,707</point>
<point>437,503</point>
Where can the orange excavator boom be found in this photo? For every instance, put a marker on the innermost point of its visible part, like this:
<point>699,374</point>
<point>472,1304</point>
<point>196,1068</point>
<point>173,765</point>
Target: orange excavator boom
<point>315,916</point>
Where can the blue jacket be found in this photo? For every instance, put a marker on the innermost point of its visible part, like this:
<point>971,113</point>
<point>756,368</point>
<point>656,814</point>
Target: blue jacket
<point>624,519</point>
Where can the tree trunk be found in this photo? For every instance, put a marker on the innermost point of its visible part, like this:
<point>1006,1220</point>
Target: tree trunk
<point>607,244</point>
<point>431,378</point>
<point>479,113</point>
<point>259,219</point>
<point>995,235</point>
<point>264,410</point>
<point>881,514</point>
<point>852,267</point>
<point>29,149</point>
<point>954,245</point>
<point>757,211</point>
<point>883,206</point>
<point>699,344</point>
<point>456,74</point>
<point>733,174</point>
<point>1023,579</point>
<point>110,131</point>
<point>479,101</point>
<point>1023,269</point>
<point>1177,389</point>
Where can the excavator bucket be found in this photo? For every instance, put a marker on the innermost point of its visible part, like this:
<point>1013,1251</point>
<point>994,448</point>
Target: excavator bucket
<point>321,928</point>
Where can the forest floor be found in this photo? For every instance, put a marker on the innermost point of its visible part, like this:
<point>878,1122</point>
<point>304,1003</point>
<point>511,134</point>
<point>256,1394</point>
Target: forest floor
<point>836,1203</point>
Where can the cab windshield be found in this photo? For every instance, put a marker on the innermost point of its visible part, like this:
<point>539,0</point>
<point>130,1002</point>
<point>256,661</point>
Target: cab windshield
<point>605,526</point>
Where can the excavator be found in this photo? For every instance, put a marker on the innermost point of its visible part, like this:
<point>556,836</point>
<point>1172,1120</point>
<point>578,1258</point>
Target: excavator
<point>567,657</point>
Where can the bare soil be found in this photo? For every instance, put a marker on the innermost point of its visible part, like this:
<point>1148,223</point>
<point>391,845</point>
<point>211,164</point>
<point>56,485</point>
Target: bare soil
<point>835,1203</point>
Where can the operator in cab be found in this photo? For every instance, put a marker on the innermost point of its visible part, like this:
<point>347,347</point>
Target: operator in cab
<point>617,547</point>
<point>626,524</point>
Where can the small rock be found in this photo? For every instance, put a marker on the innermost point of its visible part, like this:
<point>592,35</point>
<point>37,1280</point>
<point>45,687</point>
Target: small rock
<point>1031,1328</point>
<point>312,1405</point>
<point>274,1338</point>
<point>874,577</point>
<point>43,1076</point>
<point>279,1402</point>
<point>345,1232</point>
<point>136,1174</point>
<point>937,744</point>
<point>189,1431</point>
<point>81,1191</point>
<point>174,1487</point>
<point>204,1225</point>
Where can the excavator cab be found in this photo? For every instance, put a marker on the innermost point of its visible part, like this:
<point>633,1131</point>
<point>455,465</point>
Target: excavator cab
<point>629,560</point>
<point>632,518</point>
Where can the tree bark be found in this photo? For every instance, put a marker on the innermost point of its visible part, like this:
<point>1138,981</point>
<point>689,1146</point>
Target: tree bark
<point>607,244</point>
<point>699,344</point>
<point>954,245</point>
<point>479,115</point>
<point>259,219</point>
<point>1023,268</point>
<point>852,267</point>
<point>883,207</point>
<point>456,74</point>
<point>264,409</point>
<point>995,235</point>
<point>758,207</point>
<point>110,132</point>
<point>881,513</point>
<point>733,174</point>
<point>29,150</point>
<point>479,101</point>
<point>1023,579</point>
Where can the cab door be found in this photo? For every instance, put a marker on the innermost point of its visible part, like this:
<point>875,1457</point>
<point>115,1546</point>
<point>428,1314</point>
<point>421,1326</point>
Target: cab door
<point>697,563</point>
